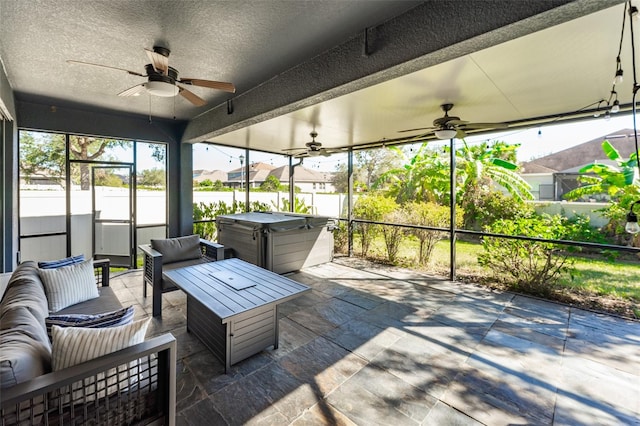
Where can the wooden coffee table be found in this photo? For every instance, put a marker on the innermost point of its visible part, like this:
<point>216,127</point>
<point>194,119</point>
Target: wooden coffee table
<point>232,306</point>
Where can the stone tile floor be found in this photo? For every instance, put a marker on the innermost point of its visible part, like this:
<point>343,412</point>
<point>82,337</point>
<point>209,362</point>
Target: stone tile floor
<point>373,345</point>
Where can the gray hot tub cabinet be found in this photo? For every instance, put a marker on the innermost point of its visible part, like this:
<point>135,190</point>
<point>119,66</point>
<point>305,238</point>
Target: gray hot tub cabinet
<point>279,242</point>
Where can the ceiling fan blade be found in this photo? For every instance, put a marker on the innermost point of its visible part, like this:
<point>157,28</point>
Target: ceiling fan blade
<point>415,130</point>
<point>160,62</point>
<point>486,126</point>
<point>105,66</point>
<point>220,85</point>
<point>295,149</point>
<point>456,122</point>
<point>460,134</point>
<point>191,97</point>
<point>133,91</point>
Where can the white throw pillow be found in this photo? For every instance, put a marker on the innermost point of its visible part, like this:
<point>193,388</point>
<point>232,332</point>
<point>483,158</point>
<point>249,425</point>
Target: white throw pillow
<point>69,285</point>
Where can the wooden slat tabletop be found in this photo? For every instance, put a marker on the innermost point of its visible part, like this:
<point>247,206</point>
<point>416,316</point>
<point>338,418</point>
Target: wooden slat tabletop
<point>199,282</point>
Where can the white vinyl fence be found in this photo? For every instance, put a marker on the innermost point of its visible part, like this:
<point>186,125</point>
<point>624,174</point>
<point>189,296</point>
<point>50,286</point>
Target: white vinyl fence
<point>43,212</point>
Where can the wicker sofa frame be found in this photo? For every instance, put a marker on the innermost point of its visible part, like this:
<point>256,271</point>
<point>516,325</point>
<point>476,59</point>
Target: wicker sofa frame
<point>136,385</point>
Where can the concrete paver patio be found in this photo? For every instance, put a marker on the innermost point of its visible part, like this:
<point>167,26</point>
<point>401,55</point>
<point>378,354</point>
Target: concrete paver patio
<point>373,345</point>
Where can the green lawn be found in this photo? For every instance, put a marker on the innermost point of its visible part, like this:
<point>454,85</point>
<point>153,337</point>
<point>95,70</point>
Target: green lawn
<point>595,281</point>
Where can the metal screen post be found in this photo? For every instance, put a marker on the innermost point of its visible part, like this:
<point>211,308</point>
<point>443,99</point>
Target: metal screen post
<point>350,201</point>
<point>452,217</point>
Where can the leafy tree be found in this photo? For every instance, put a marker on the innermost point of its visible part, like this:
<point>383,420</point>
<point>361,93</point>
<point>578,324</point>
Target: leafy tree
<point>108,178</point>
<point>270,184</point>
<point>372,163</point>
<point>368,166</point>
<point>484,164</point>
<point>152,177</point>
<point>340,179</point>
<point>423,177</point>
<point>218,185</point>
<point>38,154</point>
<point>206,183</point>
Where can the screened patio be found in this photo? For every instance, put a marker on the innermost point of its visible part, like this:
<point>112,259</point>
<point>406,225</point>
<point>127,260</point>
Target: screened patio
<point>373,343</point>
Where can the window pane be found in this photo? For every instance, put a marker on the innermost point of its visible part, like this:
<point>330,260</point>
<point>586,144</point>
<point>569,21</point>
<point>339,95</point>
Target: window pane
<point>151,160</point>
<point>100,149</point>
<point>218,187</point>
<point>42,195</point>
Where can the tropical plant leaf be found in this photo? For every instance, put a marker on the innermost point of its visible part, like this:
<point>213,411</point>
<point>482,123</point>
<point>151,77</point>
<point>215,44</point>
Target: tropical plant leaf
<point>610,151</point>
<point>504,164</point>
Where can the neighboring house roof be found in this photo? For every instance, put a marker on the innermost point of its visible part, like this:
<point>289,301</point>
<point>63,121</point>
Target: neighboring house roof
<point>254,176</point>
<point>576,170</point>
<point>575,156</point>
<point>212,175</point>
<point>301,174</point>
<point>531,168</point>
<point>254,167</point>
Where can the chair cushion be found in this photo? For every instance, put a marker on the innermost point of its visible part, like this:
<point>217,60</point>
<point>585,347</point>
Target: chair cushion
<point>53,264</point>
<point>69,285</point>
<point>178,249</point>
<point>107,319</point>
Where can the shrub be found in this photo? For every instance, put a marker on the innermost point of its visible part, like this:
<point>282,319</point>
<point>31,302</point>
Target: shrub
<point>341,237</point>
<point>393,234</point>
<point>528,266</point>
<point>483,208</point>
<point>428,214</point>
<point>299,206</point>
<point>203,211</point>
<point>371,207</point>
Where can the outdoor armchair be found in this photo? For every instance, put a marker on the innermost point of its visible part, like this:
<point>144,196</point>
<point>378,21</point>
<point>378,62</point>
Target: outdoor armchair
<point>172,253</point>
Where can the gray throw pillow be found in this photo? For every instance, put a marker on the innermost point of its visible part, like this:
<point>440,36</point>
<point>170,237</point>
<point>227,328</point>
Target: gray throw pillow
<point>178,249</point>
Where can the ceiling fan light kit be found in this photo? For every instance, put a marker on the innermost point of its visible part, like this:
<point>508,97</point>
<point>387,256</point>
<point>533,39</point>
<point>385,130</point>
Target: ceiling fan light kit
<point>445,133</point>
<point>161,88</point>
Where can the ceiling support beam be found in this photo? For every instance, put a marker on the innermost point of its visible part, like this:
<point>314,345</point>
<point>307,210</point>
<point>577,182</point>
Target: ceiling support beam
<point>432,33</point>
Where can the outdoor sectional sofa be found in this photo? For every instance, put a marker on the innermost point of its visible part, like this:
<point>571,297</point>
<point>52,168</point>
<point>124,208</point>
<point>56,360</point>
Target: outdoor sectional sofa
<point>134,385</point>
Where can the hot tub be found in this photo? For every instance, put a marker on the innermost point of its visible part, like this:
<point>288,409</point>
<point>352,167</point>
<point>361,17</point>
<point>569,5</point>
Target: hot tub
<point>279,242</point>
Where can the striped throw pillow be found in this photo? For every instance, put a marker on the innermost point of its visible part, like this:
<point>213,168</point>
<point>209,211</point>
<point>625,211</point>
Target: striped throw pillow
<point>108,319</point>
<point>52,264</point>
<point>74,345</point>
<point>69,285</point>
